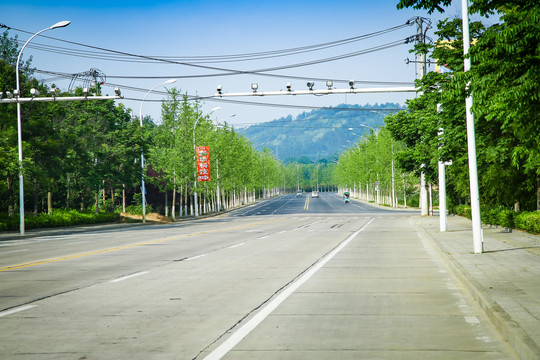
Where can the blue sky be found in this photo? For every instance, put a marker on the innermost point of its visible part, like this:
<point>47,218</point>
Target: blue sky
<point>208,28</point>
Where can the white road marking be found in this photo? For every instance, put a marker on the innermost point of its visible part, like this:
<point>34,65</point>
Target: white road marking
<point>196,257</point>
<point>13,251</point>
<point>473,320</point>
<point>16,310</point>
<point>244,330</point>
<point>237,245</point>
<point>129,276</point>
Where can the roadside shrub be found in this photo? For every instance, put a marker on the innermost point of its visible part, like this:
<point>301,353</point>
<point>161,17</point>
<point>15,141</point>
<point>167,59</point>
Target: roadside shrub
<point>506,218</point>
<point>137,209</point>
<point>59,218</point>
<point>463,210</point>
<point>528,221</point>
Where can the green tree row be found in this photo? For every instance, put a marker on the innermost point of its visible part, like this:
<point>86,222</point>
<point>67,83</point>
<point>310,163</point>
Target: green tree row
<point>367,171</point>
<point>238,172</point>
<point>504,81</point>
<point>86,154</point>
<point>71,150</point>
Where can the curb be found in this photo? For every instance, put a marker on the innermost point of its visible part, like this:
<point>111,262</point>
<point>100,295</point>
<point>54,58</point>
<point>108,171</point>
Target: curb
<point>525,347</point>
<point>105,226</point>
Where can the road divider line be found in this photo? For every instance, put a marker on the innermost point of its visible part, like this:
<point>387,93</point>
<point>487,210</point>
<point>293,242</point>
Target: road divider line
<point>235,246</point>
<point>130,246</point>
<point>249,326</point>
<point>196,257</point>
<point>306,205</point>
<point>129,276</point>
<point>16,310</point>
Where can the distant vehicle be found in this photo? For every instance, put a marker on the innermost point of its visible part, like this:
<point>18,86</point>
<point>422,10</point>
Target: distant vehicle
<point>314,194</point>
<point>299,193</point>
<point>346,196</point>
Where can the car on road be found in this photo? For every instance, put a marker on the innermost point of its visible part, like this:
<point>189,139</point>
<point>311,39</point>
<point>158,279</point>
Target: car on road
<point>314,194</point>
<point>299,193</point>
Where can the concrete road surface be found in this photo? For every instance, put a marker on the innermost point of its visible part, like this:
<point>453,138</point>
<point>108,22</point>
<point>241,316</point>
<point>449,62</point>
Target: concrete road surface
<point>289,278</point>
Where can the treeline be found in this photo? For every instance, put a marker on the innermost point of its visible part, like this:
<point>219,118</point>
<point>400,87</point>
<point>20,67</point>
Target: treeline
<point>368,171</point>
<point>504,81</point>
<point>86,155</point>
<point>238,173</point>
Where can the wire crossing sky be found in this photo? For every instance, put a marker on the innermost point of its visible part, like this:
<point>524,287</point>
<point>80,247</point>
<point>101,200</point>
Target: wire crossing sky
<point>204,44</point>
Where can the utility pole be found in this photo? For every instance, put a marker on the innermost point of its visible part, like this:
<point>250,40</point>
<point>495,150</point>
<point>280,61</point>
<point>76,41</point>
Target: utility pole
<point>420,72</point>
<point>478,238</point>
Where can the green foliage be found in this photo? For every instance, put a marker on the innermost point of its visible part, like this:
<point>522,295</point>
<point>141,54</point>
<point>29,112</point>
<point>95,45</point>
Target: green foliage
<point>58,218</point>
<point>462,210</point>
<point>505,84</point>
<point>528,221</point>
<point>371,161</point>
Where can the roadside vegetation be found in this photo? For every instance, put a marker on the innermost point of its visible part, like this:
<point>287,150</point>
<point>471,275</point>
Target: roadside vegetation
<point>505,84</point>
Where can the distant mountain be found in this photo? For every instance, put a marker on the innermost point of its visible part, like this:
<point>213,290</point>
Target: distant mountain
<point>318,134</point>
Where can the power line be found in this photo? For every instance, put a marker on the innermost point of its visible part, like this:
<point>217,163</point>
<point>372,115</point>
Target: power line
<point>226,71</point>
<point>204,59</point>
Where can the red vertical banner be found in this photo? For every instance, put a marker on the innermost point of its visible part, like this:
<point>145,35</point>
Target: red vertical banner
<point>203,163</point>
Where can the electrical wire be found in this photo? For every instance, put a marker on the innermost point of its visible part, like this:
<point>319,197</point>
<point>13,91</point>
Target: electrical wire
<point>227,71</point>
<point>105,53</point>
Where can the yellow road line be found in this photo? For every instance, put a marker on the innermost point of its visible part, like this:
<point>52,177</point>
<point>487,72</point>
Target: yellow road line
<point>306,205</point>
<point>103,251</point>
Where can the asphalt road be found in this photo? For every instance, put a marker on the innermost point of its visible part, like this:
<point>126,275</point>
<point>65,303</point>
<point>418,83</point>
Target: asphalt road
<point>288,278</point>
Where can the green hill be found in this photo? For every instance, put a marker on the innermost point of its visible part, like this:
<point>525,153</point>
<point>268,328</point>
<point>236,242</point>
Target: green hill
<point>318,134</point>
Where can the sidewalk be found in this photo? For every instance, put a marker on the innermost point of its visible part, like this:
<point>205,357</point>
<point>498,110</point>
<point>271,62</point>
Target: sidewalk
<point>504,280</point>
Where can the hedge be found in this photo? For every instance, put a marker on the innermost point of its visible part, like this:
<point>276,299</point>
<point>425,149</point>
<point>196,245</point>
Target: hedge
<point>59,218</point>
<point>500,216</point>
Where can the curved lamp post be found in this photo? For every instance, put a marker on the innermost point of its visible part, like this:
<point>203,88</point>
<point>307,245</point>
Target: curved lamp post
<point>195,205</point>
<point>19,122</point>
<point>143,189</point>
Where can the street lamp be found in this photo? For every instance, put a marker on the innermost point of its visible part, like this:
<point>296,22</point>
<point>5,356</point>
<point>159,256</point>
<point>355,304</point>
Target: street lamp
<point>19,122</point>
<point>143,189</point>
<point>195,205</point>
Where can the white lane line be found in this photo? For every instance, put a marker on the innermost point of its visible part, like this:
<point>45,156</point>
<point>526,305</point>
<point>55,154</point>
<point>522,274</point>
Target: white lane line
<point>16,310</point>
<point>13,251</point>
<point>263,237</point>
<point>249,326</point>
<point>196,257</point>
<point>237,245</point>
<point>129,276</point>
<point>473,320</point>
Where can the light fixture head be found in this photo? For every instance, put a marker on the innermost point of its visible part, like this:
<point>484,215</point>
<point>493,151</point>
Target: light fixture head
<point>329,84</point>
<point>34,92</point>
<point>351,84</point>
<point>288,86</point>
<point>118,92</point>
<point>219,89</point>
<point>310,85</point>
<point>85,91</point>
<point>9,94</point>
<point>16,93</point>
<point>60,24</point>
<point>170,81</point>
<point>254,87</point>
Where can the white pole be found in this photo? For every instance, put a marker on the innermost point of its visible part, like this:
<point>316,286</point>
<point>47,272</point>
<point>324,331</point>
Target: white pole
<point>143,188</point>
<point>19,123</point>
<point>217,190</point>
<point>442,198</point>
<point>471,143</point>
